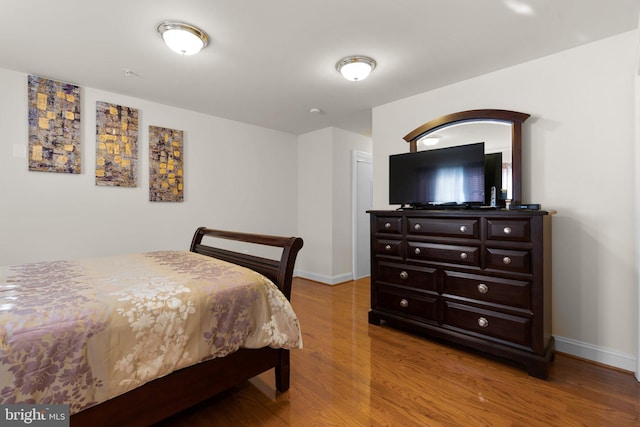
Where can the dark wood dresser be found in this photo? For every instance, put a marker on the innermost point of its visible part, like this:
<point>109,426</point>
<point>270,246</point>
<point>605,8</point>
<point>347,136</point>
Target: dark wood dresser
<point>478,278</point>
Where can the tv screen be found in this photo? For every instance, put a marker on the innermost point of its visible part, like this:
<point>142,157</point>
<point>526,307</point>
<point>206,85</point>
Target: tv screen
<point>445,176</point>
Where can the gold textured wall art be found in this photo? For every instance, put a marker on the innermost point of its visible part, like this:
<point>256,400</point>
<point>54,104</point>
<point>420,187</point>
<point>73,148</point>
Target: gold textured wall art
<point>54,126</point>
<point>166,173</point>
<point>116,145</point>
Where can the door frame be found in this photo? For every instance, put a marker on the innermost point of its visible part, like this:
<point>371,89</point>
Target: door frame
<point>364,157</point>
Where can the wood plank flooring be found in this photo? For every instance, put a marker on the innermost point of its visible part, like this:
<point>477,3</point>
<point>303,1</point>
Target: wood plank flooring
<point>351,373</point>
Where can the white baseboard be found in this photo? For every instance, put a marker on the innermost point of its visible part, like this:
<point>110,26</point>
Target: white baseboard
<point>329,280</point>
<point>595,353</point>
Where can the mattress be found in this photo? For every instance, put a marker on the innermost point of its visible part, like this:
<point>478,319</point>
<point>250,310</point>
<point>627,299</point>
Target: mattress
<point>83,331</point>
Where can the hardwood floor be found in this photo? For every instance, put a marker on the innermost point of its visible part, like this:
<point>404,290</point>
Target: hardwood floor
<point>351,373</point>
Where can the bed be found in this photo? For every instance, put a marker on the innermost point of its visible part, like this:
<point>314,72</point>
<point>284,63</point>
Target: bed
<point>136,338</point>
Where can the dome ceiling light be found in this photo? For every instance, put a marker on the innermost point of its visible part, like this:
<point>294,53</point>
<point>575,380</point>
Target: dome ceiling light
<point>429,140</point>
<point>355,68</point>
<point>183,38</point>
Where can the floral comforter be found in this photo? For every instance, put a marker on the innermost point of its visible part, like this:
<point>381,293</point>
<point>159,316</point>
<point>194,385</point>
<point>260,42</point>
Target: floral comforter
<point>81,332</point>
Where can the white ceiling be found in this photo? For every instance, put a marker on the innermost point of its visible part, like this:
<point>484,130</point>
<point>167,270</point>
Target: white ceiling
<point>269,62</point>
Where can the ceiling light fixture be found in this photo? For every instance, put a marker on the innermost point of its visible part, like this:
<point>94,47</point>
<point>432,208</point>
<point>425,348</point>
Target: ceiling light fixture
<point>183,38</point>
<point>429,140</point>
<point>519,7</point>
<point>355,68</point>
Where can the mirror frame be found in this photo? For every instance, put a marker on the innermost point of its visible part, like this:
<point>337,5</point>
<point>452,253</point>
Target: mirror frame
<point>515,118</point>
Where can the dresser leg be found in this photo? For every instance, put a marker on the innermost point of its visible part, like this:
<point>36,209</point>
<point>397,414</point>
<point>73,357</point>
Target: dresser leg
<point>539,368</point>
<point>374,319</point>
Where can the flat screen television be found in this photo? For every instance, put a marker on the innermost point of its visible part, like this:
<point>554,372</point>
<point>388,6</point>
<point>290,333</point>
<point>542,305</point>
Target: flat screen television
<point>452,176</point>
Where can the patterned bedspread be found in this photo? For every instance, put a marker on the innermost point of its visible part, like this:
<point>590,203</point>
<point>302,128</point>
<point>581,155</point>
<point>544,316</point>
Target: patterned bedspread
<point>81,332</point>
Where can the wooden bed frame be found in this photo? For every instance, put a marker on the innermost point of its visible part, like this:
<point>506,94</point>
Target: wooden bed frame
<point>166,396</point>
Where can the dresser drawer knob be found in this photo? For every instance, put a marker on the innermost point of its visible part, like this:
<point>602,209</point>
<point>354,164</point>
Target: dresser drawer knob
<point>404,303</point>
<point>417,227</point>
<point>507,230</point>
<point>463,228</point>
<point>387,225</point>
<point>483,322</point>
<point>464,255</point>
<point>404,275</point>
<point>417,251</point>
<point>506,260</point>
<point>482,288</point>
<point>387,248</point>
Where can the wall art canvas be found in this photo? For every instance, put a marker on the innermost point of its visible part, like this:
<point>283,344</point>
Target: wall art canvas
<point>116,145</point>
<point>166,173</point>
<point>54,126</point>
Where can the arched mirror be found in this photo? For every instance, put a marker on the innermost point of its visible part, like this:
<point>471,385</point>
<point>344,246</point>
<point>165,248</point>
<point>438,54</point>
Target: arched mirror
<point>501,132</point>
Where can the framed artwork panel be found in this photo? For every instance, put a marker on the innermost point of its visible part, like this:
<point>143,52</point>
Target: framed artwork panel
<point>166,165</point>
<point>116,145</point>
<point>54,126</point>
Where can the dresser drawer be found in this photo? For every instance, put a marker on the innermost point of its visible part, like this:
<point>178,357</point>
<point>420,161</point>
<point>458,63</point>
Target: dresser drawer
<point>517,230</point>
<point>387,247</point>
<point>462,255</point>
<point>444,227</point>
<point>422,307</point>
<point>509,260</point>
<point>513,293</point>
<point>389,224</point>
<point>405,275</point>
<point>502,326</point>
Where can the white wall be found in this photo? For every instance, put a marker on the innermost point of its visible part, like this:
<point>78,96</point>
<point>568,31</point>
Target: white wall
<point>578,159</point>
<point>237,177</point>
<point>637,205</point>
<point>324,203</point>
<point>344,143</point>
<point>315,221</point>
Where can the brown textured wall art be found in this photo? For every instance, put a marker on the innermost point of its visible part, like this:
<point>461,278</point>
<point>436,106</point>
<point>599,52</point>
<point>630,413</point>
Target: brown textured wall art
<point>54,126</point>
<point>116,145</point>
<point>166,174</point>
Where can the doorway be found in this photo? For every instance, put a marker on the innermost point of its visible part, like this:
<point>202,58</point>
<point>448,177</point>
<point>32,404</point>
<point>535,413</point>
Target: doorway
<point>362,200</point>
